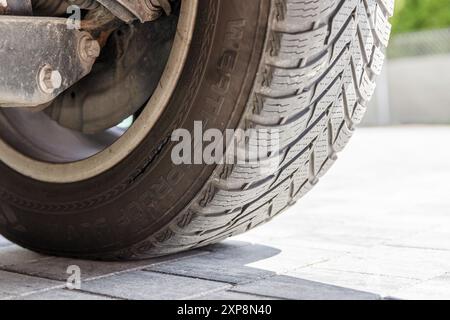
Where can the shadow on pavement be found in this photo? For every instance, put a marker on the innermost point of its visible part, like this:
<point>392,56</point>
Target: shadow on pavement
<point>221,271</point>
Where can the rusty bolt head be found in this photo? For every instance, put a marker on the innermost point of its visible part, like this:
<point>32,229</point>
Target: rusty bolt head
<point>49,79</point>
<point>89,48</point>
<point>92,49</point>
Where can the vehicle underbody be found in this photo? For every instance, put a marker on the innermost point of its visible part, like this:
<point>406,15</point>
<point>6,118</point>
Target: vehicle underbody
<point>48,46</point>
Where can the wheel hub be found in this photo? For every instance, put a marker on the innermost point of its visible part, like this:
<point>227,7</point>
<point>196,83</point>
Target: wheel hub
<point>122,79</point>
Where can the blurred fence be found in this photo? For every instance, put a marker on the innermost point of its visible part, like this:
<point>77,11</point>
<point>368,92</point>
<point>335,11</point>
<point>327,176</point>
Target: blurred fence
<point>420,43</point>
<point>415,84</point>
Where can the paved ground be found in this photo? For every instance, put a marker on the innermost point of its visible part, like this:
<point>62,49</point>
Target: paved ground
<point>377,226</point>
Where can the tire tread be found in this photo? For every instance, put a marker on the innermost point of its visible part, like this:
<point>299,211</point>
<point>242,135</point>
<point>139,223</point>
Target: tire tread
<point>317,75</point>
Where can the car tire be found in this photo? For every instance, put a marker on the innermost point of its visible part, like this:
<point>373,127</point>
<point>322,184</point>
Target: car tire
<point>303,68</point>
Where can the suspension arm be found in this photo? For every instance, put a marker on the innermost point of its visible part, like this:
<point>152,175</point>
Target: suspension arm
<point>41,57</point>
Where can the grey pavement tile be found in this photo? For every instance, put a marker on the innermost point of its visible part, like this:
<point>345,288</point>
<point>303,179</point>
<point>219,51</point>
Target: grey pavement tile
<point>225,263</point>
<point>242,264</point>
<point>379,284</point>
<point>56,268</point>
<point>308,240</point>
<point>233,295</point>
<point>374,223</point>
<point>292,257</point>
<point>11,255</point>
<point>274,258</point>
<point>13,284</point>
<point>64,294</point>
<point>144,285</point>
<point>411,263</point>
<point>286,287</point>
<point>434,289</point>
<point>211,269</point>
<point>321,223</point>
<point>436,239</point>
<point>4,242</point>
<point>350,225</point>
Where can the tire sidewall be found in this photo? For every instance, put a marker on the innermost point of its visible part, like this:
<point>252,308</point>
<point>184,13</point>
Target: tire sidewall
<point>146,191</point>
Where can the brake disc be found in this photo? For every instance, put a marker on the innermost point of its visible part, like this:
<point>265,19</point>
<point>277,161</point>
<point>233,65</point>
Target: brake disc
<point>122,80</point>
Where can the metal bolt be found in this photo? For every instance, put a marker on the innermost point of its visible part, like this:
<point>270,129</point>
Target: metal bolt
<point>49,79</point>
<point>89,49</point>
<point>92,48</point>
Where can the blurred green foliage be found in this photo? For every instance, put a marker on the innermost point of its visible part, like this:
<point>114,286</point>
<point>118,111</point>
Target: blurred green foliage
<point>415,15</point>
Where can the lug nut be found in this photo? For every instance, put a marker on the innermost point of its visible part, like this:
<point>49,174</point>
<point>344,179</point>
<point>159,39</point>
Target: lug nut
<point>49,79</point>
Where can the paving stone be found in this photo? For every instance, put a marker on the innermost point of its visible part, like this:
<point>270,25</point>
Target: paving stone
<point>242,264</point>
<point>436,239</point>
<point>376,222</point>
<point>411,263</point>
<point>212,269</point>
<point>271,258</point>
<point>226,263</point>
<point>56,268</point>
<point>150,285</point>
<point>292,257</point>
<point>233,295</point>
<point>434,289</point>
<point>4,242</point>
<point>13,284</point>
<point>12,255</point>
<point>65,294</point>
<point>287,287</point>
<point>308,239</point>
<point>379,284</point>
<point>332,228</point>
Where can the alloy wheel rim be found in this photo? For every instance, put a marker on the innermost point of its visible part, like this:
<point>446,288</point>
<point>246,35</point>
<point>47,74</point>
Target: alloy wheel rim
<point>67,171</point>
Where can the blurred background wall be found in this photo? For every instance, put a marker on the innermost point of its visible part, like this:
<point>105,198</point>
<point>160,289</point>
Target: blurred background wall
<point>415,85</point>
